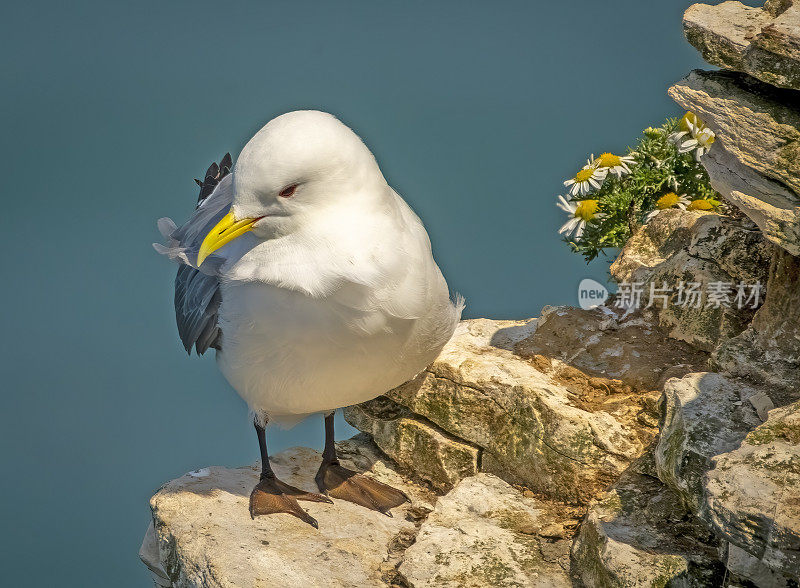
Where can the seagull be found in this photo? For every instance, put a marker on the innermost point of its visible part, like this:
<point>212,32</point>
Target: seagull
<point>314,282</point>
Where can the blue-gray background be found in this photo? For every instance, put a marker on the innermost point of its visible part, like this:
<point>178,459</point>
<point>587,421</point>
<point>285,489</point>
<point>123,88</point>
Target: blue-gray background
<point>476,112</point>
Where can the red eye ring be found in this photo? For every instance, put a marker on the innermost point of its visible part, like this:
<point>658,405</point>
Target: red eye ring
<point>288,191</point>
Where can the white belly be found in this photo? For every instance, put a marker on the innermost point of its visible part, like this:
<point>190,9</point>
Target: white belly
<point>287,353</point>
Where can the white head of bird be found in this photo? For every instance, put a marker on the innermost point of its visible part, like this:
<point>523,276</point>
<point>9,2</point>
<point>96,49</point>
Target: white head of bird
<point>301,167</point>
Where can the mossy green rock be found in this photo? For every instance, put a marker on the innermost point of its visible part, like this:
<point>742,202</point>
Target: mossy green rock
<point>433,455</point>
<point>486,533</point>
<point>637,535</point>
<point>530,427</point>
<point>764,43</point>
<point>693,246</point>
<point>703,415</point>
<point>768,351</point>
<point>753,493</point>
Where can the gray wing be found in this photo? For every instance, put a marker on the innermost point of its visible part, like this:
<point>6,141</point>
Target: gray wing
<point>197,293</point>
<point>197,300</point>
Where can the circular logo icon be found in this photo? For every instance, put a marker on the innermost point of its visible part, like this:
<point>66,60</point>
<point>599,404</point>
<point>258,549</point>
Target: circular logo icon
<point>591,294</point>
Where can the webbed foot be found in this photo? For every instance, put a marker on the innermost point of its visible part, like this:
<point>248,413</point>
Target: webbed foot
<point>273,496</point>
<point>338,482</point>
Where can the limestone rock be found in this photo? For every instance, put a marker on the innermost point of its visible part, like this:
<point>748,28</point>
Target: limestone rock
<point>754,492</point>
<point>417,445</point>
<point>205,536</point>
<point>703,415</point>
<point>764,43</point>
<point>769,349</point>
<point>637,535</point>
<point>607,349</point>
<point>485,533</point>
<point>692,246</point>
<point>766,202</point>
<point>558,404</point>
<point>149,555</point>
<point>758,124</point>
<point>744,566</point>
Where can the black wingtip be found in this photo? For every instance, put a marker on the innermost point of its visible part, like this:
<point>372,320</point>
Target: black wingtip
<point>212,172</point>
<point>225,165</point>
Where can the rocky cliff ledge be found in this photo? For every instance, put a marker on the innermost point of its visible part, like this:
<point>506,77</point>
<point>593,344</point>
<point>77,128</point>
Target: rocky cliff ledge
<point>609,447</point>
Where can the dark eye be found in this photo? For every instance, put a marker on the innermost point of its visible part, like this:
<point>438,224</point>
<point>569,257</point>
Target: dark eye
<point>287,191</point>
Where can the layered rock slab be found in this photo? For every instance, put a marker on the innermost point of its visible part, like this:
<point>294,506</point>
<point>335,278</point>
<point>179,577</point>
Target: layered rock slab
<point>753,493</point>
<point>758,124</point>
<point>485,533</point>
<point>680,246</point>
<point>204,535</point>
<point>769,204</point>
<point>757,131</point>
<point>558,404</point>
<point>762,42</point>
<point>637,535</point>
<point>703,415</point>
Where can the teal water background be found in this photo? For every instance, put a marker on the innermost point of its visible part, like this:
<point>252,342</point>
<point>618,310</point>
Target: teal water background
<point>476,112</point>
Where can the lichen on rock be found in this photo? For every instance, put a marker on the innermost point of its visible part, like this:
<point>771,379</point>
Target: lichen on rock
<point>694,246</point>
<point>763,42</point>
<point>703,415</point>
<point>753,492</point>
<point>637,535</point>
<point>562,418</point>
<point>484,533</point>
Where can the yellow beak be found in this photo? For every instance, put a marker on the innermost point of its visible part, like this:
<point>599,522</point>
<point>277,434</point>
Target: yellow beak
<point>226,231</point>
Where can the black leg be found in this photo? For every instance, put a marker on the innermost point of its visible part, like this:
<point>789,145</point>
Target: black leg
<point>266,469</point>
<point>272,496</point>
<point>339,482</point>
<point>329,454</point>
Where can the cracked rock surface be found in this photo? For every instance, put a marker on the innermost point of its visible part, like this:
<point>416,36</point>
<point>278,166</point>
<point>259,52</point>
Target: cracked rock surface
<point>755,160</point>
<point>522,400</point>
<point>203,534</point>
<point>695,246</point>
<point>753,492</point>
<point>485,533</point>
<point>763,42</point>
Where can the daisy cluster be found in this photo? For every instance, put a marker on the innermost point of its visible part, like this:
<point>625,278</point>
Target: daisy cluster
<point>611,195</point>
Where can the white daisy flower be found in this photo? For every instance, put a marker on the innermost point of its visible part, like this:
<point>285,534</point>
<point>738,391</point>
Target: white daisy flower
<point>693,136</point>
<point>581,212</point>
<point>668,200</point>
<point>589,178</point>
<point>615,164</point>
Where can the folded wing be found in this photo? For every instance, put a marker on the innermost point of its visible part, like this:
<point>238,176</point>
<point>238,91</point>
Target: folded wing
<point>197,293</point>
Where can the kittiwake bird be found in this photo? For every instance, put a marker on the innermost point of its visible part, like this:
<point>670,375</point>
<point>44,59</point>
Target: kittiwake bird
<point>314,282</point>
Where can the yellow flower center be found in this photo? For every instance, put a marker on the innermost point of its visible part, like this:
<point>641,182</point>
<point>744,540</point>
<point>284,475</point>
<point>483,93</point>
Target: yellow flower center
<point>584,175</point>
<point>586,209</point>
<point>706,137</point>
<point>690,117</point>
<point>668,200</point>
<point>700,205</point>
<point>609,160</point>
